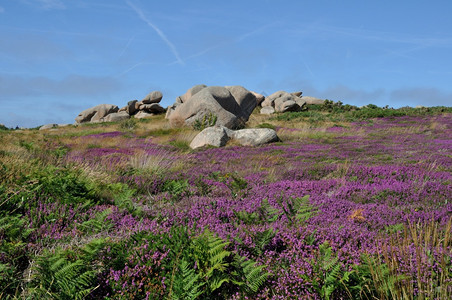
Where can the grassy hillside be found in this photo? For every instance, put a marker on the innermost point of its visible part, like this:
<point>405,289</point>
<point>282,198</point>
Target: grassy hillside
<point>352,204</point>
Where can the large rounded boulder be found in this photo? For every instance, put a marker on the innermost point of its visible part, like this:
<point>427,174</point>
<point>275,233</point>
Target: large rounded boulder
<point>226,106</point>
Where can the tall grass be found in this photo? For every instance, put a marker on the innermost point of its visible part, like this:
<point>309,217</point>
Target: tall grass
<point>415,264</point>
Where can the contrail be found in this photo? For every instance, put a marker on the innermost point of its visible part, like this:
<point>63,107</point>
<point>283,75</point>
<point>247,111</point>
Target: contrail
<point>159,32</point>
<point>225,43</point>
<point>127,46</point>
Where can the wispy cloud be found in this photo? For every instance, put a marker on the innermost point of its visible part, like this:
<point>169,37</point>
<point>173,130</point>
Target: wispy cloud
<point>143,17</point>
<point>141,63</point>
<point>2,10</point>
<point>233,41</point>
<point>384,36</point>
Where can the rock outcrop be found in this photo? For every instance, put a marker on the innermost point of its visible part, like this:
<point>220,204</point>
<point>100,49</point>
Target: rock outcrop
<point>283,101</point>
<point>312,100</point>
<point>230,106</point>
<point>218,136</point>
<point>149,106</point>
<point>96,113</point>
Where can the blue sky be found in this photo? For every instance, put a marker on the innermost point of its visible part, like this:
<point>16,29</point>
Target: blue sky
<point>59,57</point>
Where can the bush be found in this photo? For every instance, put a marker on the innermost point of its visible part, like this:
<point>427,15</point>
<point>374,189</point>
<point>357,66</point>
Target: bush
<point>208,120</point>
<point>128,124</point>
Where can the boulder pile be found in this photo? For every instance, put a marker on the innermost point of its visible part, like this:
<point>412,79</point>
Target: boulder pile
<point>149,106</point>
<point>283,101</point>
<point>230,106</point>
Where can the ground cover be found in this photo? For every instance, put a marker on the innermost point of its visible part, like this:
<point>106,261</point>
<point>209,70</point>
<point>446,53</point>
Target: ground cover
<point>351,207</point>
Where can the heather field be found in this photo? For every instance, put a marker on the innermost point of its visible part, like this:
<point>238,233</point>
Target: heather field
<point>346,206</point>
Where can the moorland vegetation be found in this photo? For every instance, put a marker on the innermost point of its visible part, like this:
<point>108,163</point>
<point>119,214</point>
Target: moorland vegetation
<point>353,203</point>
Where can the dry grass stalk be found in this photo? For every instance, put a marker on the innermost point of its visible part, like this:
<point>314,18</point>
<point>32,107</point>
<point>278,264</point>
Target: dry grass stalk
<point>426,283</point>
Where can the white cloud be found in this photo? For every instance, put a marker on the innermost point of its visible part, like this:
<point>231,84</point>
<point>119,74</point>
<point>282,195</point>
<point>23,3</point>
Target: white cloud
<point>2,10</point>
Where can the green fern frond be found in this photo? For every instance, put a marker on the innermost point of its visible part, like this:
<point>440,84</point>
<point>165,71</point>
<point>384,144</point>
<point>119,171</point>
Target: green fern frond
<point>56,263</point>
<point>329,263</point>
<point>268,213</point>
<point>187,285</point>
<point>91,250</point>
<point>216,244</point>
<point>303,208</point>
<point>59,278</point>
<point>299,203</point>
<point>217,281</point>
<point>98,223</point>
<point>13,228</point>
<point>255,276</point>
<point>68,270</point>
<point>262,239</point>
<point>247,218</point>
<point>334,275</point>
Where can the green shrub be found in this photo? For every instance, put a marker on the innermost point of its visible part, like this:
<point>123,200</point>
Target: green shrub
<point>128,124</point>
<point>207,120</point>
<point>49,184</point>
<point>181,145</point>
